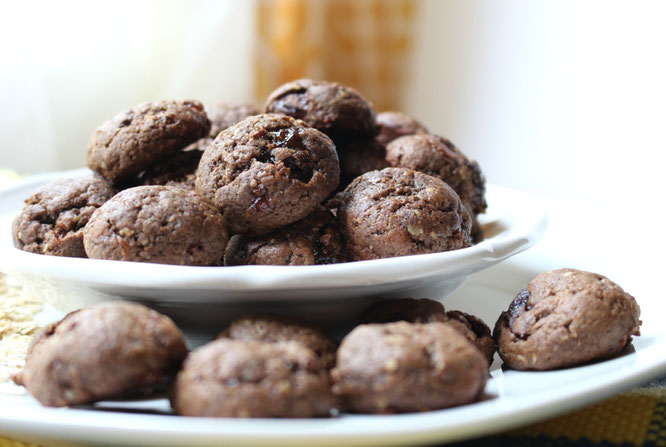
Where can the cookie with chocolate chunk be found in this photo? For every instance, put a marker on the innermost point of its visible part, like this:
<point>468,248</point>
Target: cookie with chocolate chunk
<point>139,137</point>
<point>564,318</point>
<point>52,220</point>
<point>328,106</point>
<point>159,224</point>
<point>268,171</point>
<point>398,212</point>
<point>238,378</point>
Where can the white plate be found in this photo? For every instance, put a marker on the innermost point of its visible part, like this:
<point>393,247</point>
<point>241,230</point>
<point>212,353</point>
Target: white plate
<point>200,296</point>
<point>578,237</point>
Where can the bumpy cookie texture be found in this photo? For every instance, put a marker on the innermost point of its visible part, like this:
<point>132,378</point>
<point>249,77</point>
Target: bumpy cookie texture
<point>160,224</point>
<point>111,350</point>
<point>221,116</point>
<point>235,378</point>
<point>177,169</point>
<point>437,156</point>
<point>312,240</point>
<point>137,138</point>
<point>274,329</point>
<point>53,218</point>
<point>358,156</point>
<point>268,171</point>
<point>393,125</point>
<point>427,311</point>
<point>566,317</point>
<point>328,106</point>
<point>403,367</point>
<point>398,212</point>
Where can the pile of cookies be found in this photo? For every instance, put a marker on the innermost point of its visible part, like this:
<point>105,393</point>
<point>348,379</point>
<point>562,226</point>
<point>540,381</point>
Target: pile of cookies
<point>318,178</point>
<point>406,355</point>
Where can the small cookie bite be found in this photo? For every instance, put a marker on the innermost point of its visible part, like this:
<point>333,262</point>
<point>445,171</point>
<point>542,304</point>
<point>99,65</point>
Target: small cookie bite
<point>564,318</point>
<point>328,106</point>
<point>404,367</point>
<point>274,329</point>
<point>111,350</point>
<point>139,137</point>
<point>313,240</point>
<point>398,212</point>
<point>358,157</point>
<point>221,116</point>
<point>177,169</point>
<point>159,224</point>
<point>238,378</point>
<point>268,171</point>
<point>52,220</point>
<point>393,125</point>
<point>425,310</point>
<point>437,156</point>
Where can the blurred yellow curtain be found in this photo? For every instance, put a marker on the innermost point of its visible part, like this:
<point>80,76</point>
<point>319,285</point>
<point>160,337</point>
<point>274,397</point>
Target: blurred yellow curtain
<point>364,44</point>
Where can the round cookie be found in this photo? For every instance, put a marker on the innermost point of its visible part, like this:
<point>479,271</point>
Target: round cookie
<point>564,318</point>
<point>328,106</point>
<point>437,156</point>
<point>275,329</point>
<point>235,378</point>
<point>177,169</point>
<point>358,157</point>
<point>403,367</point>
<point>393,125</point>
<point>159,224</point>
<point>137,138</point>
<point>110,350</point>
<point>398,212</point>
<point>268,171</point>
<point>425,310</point>
<point>53,218</point>
<point>313,240</point>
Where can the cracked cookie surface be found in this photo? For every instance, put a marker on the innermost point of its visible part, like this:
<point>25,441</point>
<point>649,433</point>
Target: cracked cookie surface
<point>564,318</point>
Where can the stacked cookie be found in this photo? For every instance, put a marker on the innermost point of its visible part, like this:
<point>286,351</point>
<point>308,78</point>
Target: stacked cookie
<point>181,178</point>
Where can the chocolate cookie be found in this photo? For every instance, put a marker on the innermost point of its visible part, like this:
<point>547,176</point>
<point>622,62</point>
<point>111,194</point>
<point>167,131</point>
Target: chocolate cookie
<point>328,106</point>
<point>437,156</point>
<point>234,378</point>
<point>275,329</point>
<point>137,138</point>
<point>110,350</point>
<point>312,240</point>
<point>52,220</point>
<point>160,224</point>
<point>268,171</point>
<point>221,116</point>
<point>393,125</point>
<point>358,157</point>
<point>177,169</point>
<point>428,311</point>
<point>403,367</point>
<point>566,317</point>
<point>398,212</point>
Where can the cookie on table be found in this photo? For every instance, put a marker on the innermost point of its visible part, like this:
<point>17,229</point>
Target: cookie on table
<point>398,212</point>
<point>424,311</point>
<point>330,107</point>
<point>139,137</point>
<point>313,240</point>
<point>159,224</point>
<point>177,169</point>
<point>404,367</point>
<point>437,156</point>
<point>221,116</point>
<point>268,171</point>
<point>358,156</point>
<point>238,378</point>
<point>564,318</point>
<point>275,329</point>
<point>110,350</point>
<point>52,220</point>
<point>393,125</point>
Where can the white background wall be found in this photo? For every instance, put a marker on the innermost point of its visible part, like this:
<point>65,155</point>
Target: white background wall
<point>560,97</point>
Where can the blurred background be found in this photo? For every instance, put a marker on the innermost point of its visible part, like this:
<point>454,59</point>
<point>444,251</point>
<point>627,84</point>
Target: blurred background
<point>565,98</point>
